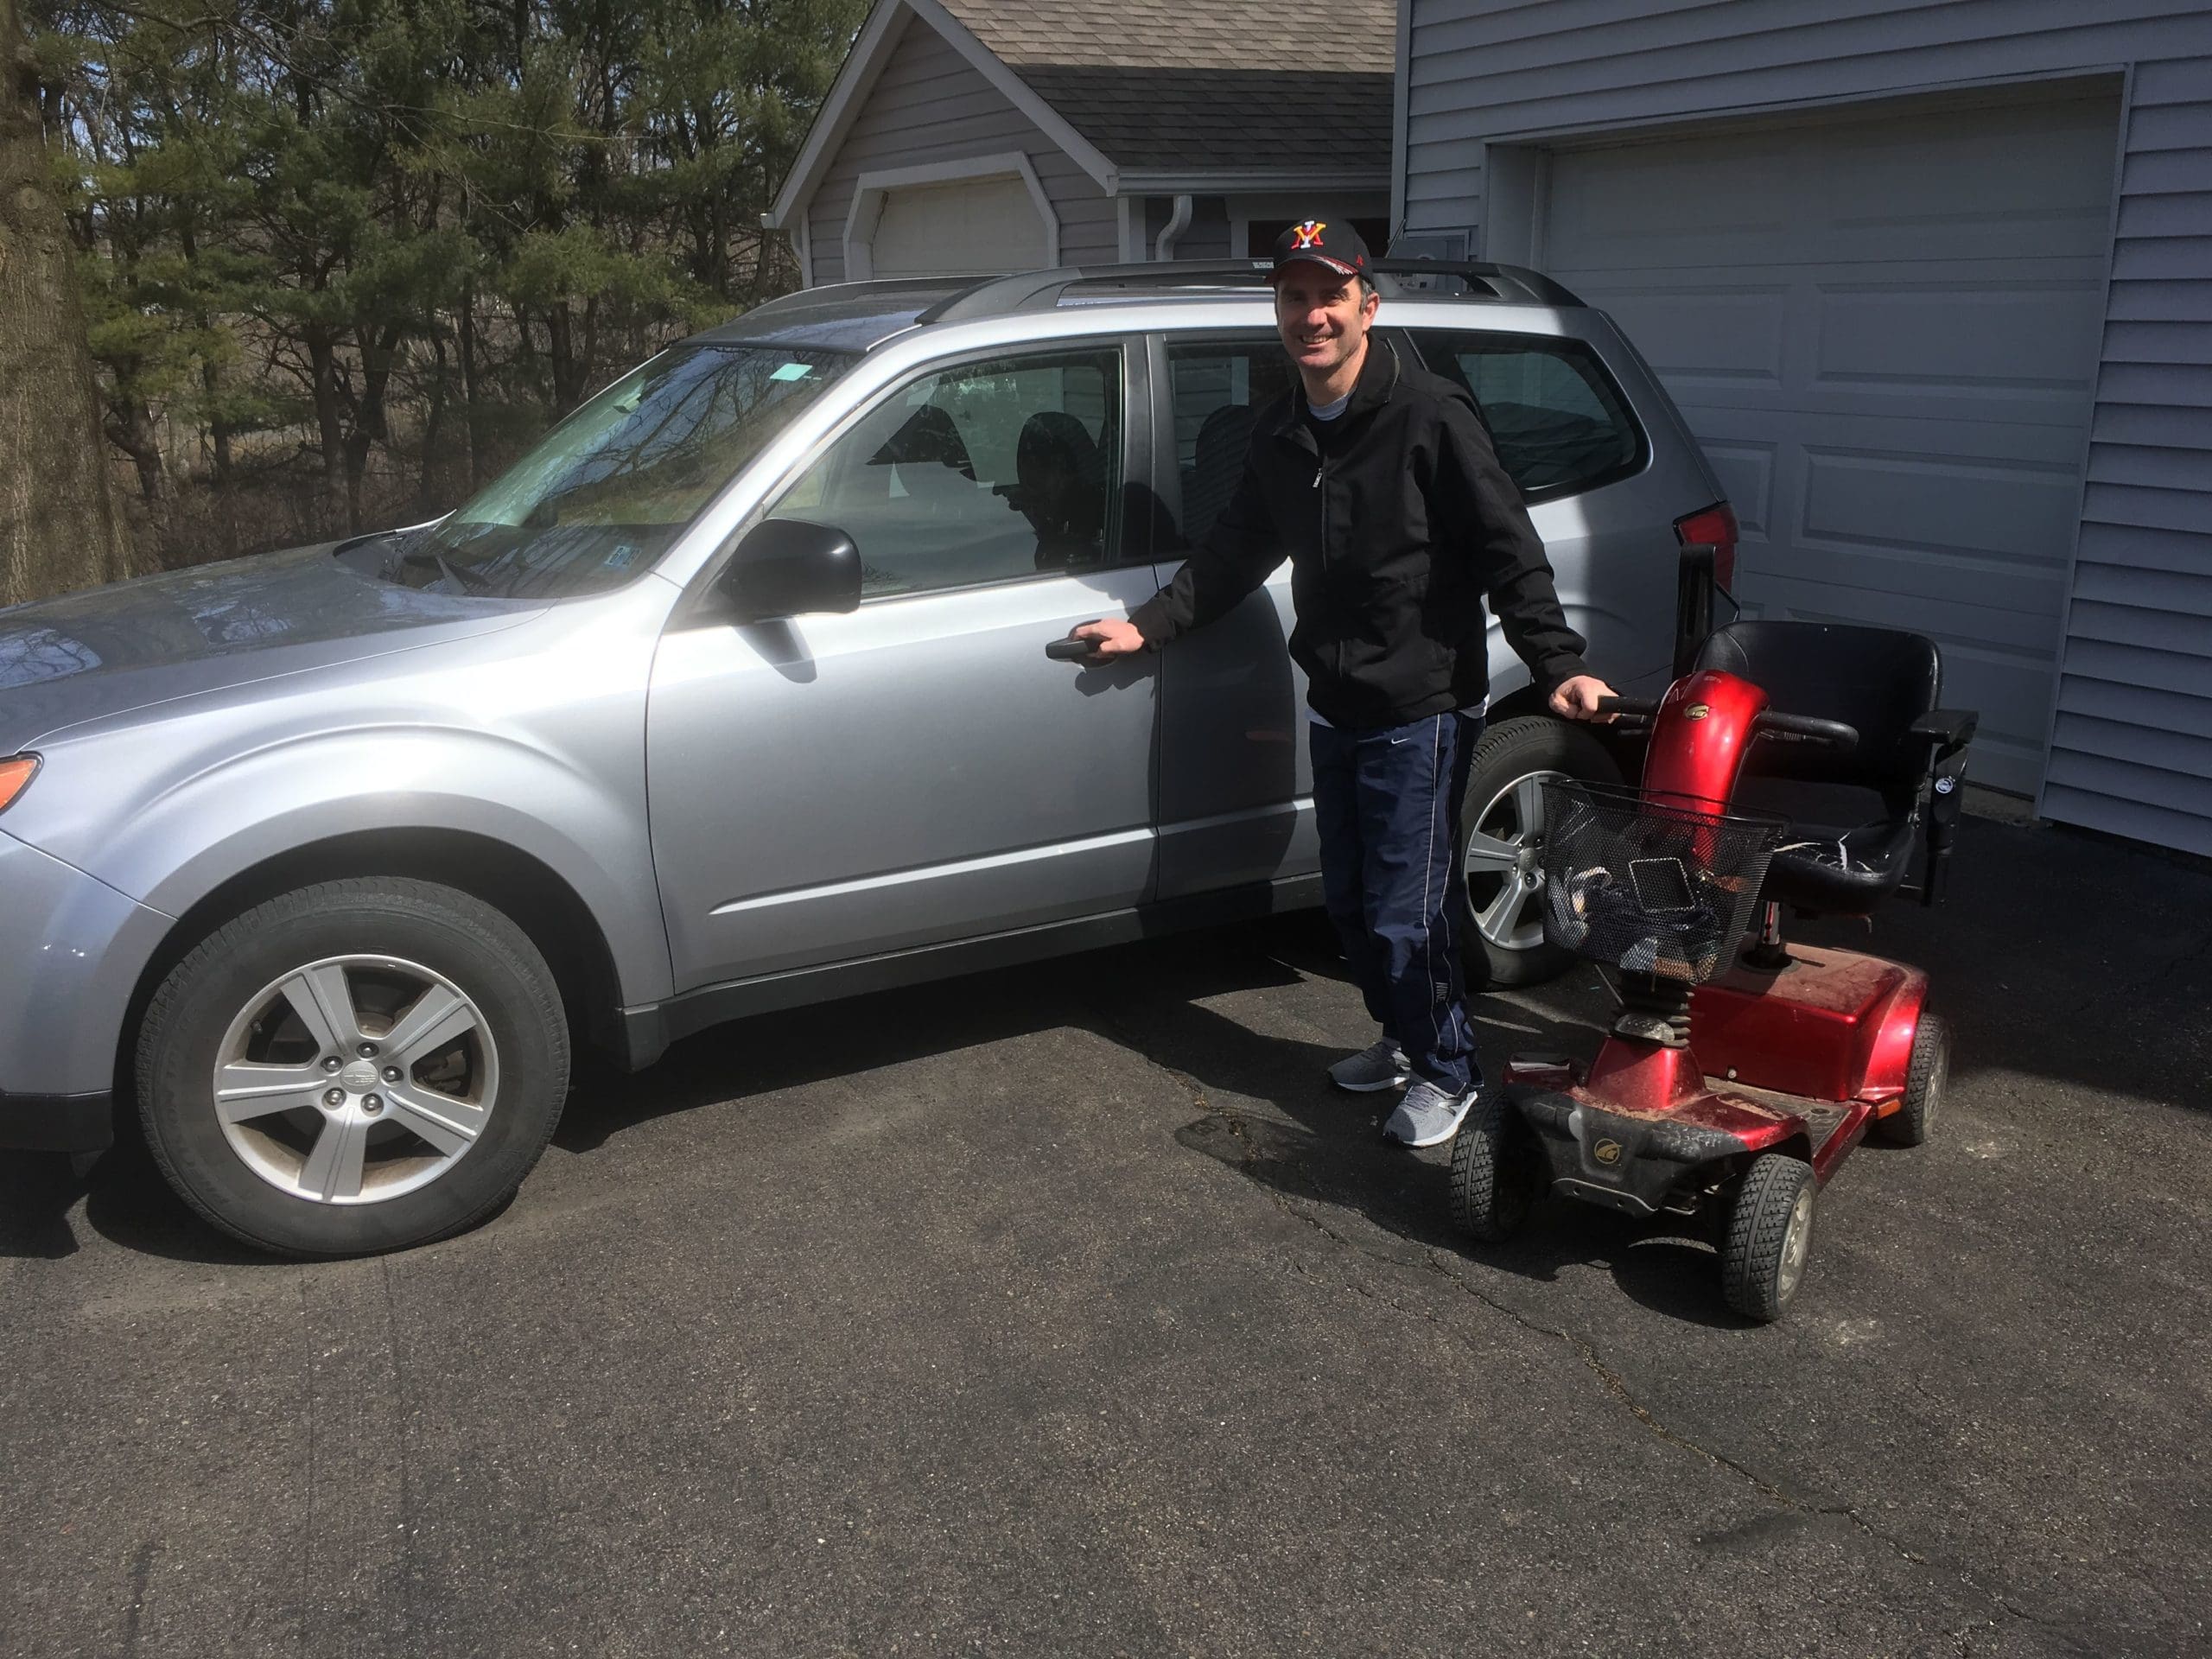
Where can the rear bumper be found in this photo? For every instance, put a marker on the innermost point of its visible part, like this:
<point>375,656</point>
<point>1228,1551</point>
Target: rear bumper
<point>57,1122</point>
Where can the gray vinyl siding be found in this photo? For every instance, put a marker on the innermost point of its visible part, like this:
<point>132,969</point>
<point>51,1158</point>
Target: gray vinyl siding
<point>931,104</point>
<point>2132,728</point>
<point>2132,741</point>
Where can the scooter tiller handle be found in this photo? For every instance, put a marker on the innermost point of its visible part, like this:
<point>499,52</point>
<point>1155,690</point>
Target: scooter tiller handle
<point>1833,733</point>
<point>1628,711</point>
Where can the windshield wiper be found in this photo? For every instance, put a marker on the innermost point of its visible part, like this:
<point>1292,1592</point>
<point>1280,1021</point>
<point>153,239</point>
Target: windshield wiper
<point>467,581</point>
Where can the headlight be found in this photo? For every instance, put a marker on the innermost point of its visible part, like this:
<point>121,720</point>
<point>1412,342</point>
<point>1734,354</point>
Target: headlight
<point>15,776</point>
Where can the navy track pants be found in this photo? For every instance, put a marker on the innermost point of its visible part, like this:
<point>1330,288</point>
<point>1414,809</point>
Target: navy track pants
<point>1386,805</point>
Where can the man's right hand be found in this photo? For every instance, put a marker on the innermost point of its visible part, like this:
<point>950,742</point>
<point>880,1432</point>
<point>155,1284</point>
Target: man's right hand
<point>1108,638</point>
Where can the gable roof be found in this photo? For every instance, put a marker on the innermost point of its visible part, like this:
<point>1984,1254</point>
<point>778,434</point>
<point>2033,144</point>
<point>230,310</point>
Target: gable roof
<point>1274,90</point>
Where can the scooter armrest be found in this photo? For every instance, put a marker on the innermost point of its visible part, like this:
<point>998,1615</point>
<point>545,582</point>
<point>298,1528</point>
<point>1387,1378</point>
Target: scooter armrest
<point>1946,729</point>
<point>1946,732</point>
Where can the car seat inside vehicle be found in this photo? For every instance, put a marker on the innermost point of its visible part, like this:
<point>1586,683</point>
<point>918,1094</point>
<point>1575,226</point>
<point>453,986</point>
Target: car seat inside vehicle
<point>1060,487</point>
<point>1210,479</point>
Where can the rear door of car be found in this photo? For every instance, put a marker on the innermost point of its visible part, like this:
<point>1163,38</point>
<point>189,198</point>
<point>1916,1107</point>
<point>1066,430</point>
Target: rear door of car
<point>830,788</point>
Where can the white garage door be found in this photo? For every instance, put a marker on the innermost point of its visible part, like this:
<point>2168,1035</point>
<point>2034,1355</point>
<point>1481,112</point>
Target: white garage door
<point>976,225</point>
<point>1885,334</point>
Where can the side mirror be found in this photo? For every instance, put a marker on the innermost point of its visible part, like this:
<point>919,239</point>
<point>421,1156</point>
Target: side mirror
<point>787,567</point>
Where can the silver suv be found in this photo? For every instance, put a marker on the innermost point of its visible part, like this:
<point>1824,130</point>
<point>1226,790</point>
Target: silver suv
<point>731,696</point>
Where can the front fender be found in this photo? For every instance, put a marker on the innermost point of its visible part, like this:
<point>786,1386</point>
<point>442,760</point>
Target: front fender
<point>533,738</point>
<point>201,831</point>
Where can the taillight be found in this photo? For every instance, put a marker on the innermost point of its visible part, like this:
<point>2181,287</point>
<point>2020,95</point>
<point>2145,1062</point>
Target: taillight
<point>1716,525</point>
<point>15,773</point>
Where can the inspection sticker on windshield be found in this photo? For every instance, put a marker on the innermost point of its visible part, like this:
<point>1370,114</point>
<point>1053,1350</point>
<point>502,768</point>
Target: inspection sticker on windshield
<point>793,372</point>
<point>620,557</point>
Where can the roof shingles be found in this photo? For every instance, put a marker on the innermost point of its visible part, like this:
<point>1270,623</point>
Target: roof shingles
<point>1224,84</point>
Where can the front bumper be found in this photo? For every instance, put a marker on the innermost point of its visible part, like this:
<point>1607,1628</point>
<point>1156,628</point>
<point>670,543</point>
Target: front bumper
<point>72,950</point>
<point>57,1122</point>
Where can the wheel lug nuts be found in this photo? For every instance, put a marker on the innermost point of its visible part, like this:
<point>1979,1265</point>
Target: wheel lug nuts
<point>391,1074</point>
<point>333,1097</point>
<point>366,1050</point>
<point>372,1104</point>
<point>330,1062</point>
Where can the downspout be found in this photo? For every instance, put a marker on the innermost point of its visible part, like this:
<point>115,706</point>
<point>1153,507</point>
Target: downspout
<point>1172,232</point>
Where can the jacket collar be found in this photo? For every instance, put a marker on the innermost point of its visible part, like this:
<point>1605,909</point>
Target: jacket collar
<point>1378,380</point>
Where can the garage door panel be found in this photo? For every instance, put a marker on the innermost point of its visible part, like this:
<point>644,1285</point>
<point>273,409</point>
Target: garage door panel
<point>2018,514</point>
<point>974,225</point>
<point>2022,337</point>
<point>1705,336</point>
<point>1953,598</point>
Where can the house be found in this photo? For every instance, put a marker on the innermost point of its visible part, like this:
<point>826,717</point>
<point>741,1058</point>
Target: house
<point>1932,282</point>
<point>1006,134</point>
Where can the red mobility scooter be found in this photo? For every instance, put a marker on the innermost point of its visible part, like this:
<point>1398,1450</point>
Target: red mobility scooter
<point>1795,763</point>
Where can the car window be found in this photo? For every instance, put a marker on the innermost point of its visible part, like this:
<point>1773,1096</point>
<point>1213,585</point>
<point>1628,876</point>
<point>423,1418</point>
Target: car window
<point>1217,388</point>
<point>983,473</point>
<point>1560,423</point>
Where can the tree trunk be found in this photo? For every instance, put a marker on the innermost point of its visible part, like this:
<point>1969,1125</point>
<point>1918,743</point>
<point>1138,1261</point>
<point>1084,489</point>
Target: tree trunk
<point>330,426</point>
<point>469,387</point>
<point>59,524</point>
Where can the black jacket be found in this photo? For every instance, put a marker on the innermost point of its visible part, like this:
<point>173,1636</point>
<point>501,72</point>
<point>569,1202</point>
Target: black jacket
<point>1394,538</point>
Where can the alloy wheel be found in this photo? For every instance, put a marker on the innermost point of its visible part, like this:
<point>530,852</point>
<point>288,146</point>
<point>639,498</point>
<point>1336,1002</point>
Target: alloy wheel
<point>1503,872</point>
<point>354,1079</point>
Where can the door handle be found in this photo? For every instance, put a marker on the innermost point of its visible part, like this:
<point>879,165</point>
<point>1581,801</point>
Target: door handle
<point>1068,650</point>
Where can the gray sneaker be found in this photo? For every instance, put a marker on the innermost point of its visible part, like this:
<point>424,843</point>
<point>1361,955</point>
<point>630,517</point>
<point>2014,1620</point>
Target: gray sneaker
<point>1379,1066</point>
<point>1427,1114</point>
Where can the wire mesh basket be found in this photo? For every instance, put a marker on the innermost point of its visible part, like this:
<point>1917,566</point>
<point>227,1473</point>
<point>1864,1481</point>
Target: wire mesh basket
<point>1649,888</point>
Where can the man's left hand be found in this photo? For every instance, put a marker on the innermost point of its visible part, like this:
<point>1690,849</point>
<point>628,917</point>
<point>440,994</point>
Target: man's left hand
<point>1577,699</point>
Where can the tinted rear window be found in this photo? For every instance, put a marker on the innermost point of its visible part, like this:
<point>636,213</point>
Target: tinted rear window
<point>1560,422</point>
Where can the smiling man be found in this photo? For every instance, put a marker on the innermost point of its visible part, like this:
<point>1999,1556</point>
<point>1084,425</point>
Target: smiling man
<point>1380,485</point>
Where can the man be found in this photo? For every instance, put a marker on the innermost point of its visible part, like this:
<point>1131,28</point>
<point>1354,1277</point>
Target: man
<point>1382,486</point>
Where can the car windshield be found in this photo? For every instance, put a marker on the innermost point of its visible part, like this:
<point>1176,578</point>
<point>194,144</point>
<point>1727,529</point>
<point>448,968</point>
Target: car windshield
<point>605,492</point>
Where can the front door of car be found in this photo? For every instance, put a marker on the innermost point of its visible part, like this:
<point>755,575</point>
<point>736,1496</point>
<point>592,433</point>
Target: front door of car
<point>825,788</point>
<point>1235,780</point>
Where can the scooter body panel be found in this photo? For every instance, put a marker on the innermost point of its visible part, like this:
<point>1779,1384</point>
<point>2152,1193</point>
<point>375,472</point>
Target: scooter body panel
<point>1834,1026</point>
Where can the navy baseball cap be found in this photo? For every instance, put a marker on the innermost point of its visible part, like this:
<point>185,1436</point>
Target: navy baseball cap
<point>1330,243</point>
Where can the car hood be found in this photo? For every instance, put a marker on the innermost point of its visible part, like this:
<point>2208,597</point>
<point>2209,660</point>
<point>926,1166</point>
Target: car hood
<point>85,656</point>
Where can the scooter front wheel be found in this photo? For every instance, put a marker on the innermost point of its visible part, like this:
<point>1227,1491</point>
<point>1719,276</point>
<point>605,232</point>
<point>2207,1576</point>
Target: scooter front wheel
<point>1770,1236</point>
<point>1494,1175</point>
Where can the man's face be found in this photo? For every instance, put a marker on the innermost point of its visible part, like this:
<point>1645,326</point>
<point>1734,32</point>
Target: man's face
<point>1322,317</point>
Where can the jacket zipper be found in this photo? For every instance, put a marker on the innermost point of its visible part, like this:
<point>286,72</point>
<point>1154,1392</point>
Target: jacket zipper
<point>1321,500</point>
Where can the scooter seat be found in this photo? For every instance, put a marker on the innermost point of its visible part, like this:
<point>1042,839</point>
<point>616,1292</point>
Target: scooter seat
<point>1843,853</point>
<point>1853,815</point>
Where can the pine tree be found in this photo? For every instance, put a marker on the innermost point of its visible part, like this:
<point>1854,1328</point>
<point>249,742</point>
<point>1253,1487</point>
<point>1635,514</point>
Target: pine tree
<point>60,527</point>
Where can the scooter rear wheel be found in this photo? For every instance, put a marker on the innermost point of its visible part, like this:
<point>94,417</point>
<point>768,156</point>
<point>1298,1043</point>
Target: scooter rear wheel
<point>1770,1236</point>
<point>1494,1176</point>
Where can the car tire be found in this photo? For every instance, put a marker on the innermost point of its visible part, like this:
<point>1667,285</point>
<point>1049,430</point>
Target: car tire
<point>1501,829</point>
<point>1494,1171</point>
<point>1770,1236</point>
<point>353,1067</point>
<point>1926,1074</point>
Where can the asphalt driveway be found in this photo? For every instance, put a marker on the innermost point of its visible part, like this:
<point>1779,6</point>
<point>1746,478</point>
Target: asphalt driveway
<point>1067,1312</point>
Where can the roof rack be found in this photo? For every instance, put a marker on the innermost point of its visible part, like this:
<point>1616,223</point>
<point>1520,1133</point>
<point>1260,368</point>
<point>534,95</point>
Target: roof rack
<point>1042,290</point>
